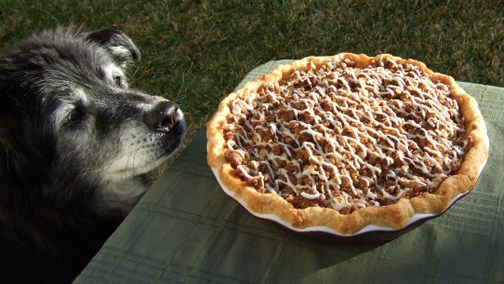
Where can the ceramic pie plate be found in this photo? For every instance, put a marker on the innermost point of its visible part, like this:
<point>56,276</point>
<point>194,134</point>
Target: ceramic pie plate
<point>371,222</point>
<point>369,233</point>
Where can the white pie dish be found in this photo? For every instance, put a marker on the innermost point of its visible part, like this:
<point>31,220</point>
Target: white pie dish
<point>369,233</point>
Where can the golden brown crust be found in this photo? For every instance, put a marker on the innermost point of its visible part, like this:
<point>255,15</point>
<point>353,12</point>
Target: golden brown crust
<point>395,216</point>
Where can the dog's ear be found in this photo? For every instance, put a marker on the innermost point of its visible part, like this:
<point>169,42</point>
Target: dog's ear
<point>120,46</point>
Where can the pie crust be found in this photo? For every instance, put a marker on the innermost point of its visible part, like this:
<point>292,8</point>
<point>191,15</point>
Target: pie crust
<point>370,197</point>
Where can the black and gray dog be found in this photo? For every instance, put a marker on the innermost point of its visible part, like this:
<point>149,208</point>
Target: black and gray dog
<point>75,145</point>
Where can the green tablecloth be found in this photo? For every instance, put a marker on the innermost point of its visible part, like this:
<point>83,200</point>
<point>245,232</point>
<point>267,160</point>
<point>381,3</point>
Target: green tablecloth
<point>187,230</point>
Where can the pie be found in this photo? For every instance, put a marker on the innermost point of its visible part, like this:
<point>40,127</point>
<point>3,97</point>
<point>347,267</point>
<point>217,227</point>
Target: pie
<point>347,141</point>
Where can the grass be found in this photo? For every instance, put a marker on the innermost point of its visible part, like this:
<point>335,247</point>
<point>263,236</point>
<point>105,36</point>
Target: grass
<point>196,52</point>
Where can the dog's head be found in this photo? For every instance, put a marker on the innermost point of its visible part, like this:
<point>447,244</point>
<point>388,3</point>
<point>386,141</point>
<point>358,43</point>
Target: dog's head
<point>68,119</point>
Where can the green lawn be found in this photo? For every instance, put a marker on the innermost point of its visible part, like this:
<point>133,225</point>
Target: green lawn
<point>195,52</point>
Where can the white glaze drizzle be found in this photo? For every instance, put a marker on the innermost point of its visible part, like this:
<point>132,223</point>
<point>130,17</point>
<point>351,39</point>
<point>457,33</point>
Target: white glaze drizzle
<point>359,136</point>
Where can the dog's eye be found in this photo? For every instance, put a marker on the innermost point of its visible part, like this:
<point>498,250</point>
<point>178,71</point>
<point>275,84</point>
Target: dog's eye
<point>119,81</point>
<point>75,115</point>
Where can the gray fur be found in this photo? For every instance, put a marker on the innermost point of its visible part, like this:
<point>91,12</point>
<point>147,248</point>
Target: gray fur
<point>75,140</point>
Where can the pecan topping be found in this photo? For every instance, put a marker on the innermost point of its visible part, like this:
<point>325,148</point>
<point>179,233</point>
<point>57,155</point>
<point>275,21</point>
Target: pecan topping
<point>347,137</point>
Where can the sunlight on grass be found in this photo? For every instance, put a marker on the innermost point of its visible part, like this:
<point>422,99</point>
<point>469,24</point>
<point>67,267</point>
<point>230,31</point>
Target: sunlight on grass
<point>195,52</point>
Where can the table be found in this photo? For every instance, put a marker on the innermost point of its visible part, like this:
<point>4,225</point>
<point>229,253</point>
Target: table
<point>187,230</point>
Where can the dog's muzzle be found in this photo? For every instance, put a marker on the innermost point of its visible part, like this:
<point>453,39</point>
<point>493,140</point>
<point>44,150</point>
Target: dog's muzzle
<point>165,117</point>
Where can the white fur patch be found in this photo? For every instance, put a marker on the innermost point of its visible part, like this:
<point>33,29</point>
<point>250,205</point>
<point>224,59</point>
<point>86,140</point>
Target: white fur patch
<point>111,71</point>
<point>60,116</point>
<point>119,51</point>
<point>140,154</point>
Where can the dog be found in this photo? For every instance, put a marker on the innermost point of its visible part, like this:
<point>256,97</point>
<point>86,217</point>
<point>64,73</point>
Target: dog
<point>75,146</point>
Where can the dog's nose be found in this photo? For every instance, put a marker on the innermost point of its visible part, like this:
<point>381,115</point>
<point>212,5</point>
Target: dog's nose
<point>163,117</point>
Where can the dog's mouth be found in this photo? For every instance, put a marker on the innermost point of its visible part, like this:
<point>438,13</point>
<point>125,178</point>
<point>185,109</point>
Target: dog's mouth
<point>143,154</point>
